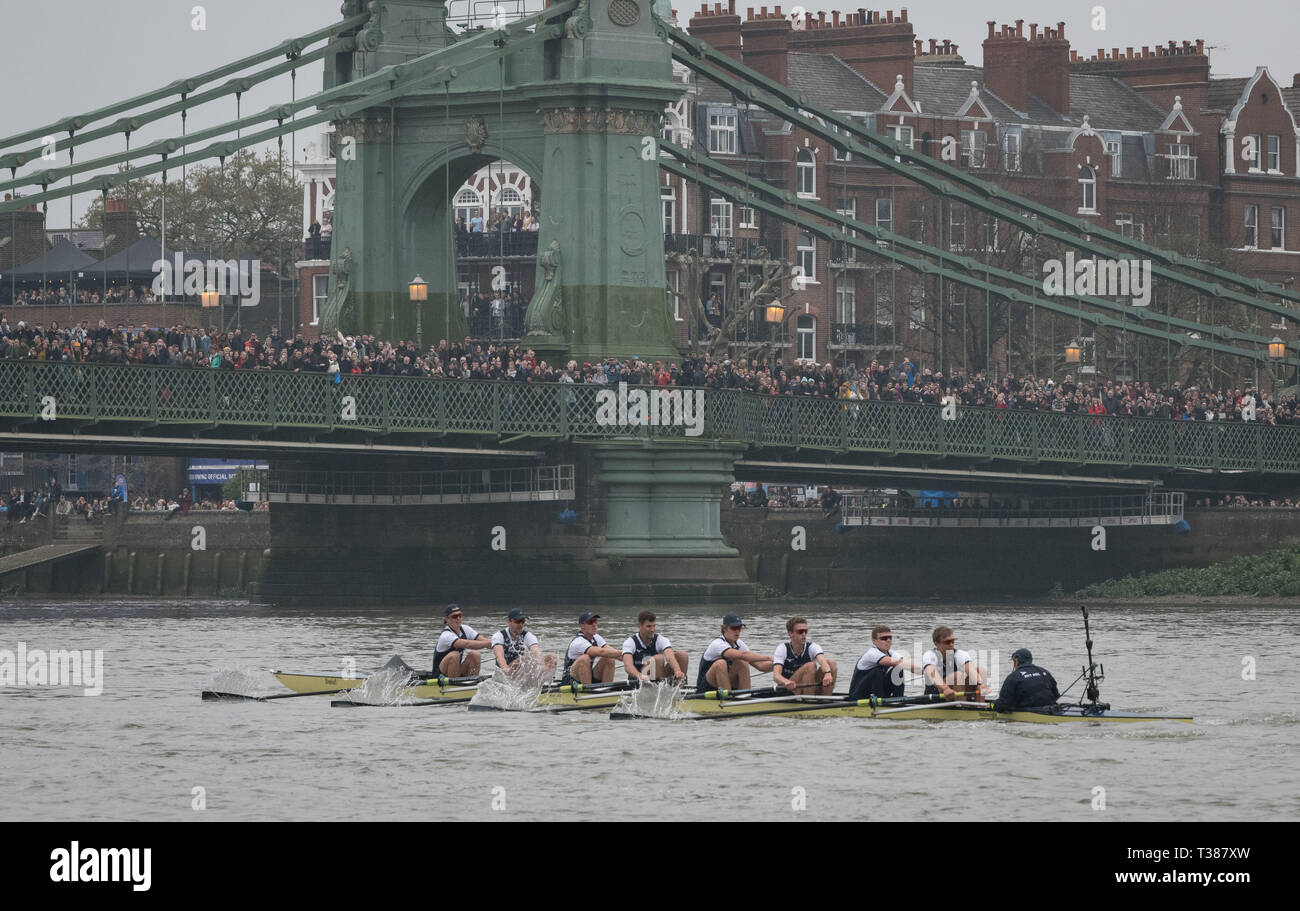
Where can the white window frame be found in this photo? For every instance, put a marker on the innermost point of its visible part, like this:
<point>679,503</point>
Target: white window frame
<point>885,215</point>
<point>805,171</point>
<point>806,338</point>
<point>1010,157</point>
<point>848,206</point>
<point>1115,151</point>
<point>1277,228</point>
<point>720,215</point>
<point>838,154</point>
<point>901,133</point>
<point>511,207</point>
<point>991,234</point>
<point>1087,190</point>
<point>974,148</point>
<point>723,132</point>
<point>1254,164</point>
<point>460,202</point>
<point>1274,153</point>
<point>1250,225</point>
<point>745,217</point>
<point>673,281</point>
<point>956,227</point>
<point>806,256</point>
<point>668,207</point>
<point>1182,163</point>
<point>846,299</point>
<point>319,296</point>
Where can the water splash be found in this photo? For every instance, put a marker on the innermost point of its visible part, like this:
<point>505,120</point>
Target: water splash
<point>516,692</point>
<point>653,700</point>
<point>244,681</point>
<point>390,686</point>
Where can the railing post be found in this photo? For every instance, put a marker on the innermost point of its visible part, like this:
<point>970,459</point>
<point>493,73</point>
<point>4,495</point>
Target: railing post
<point>273,398</point>
<point>988,430</point>
<point>1216,443</point>
<point>441,409</point>
<point>794,421</point>
<point>1126,439</point>
<point>496,407</point>
<point>844,423</point>
<point>1170,460</point>
<point>892,414</point>
<point>943,429</point>
<point>1259,447</point>
<point>564,414</point>
<point>1082,438</point>
<point>1036,421</point>
<point>212,394</point>
<point>386,406</point>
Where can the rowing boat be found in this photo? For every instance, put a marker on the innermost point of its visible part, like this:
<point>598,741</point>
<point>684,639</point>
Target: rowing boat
<point>439,689</point>
<point>705,707</point>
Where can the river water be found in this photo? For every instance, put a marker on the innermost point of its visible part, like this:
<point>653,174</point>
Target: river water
<point>145,746</point>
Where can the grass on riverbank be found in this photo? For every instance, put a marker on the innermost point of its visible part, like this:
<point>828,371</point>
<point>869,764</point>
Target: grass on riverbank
<point>1274,572</point>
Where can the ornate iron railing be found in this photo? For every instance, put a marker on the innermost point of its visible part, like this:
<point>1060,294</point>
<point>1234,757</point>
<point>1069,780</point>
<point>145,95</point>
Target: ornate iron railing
<point>55,397</point>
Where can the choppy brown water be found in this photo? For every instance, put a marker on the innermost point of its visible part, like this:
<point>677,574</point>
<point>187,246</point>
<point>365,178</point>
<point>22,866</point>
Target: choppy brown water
<point>140,749</point>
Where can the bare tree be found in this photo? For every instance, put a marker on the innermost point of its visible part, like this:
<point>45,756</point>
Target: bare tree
<point>768,285</point>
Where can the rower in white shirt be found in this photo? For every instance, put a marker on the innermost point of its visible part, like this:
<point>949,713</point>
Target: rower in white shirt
<point>457,651</point>
<point>879,672</point>
<point>590,659</point>
<point>648,655</point>
<point>726,661</point>
<point>518,652</point>
<point>946,666</point>
<point>800,665</point>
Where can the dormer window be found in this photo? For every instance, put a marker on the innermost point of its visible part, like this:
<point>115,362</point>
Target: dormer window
<point>1011,151</point>
<point>722,132</point>
<point>806,167</point>
<point>1253,152</point>
<point>1274,154</point>
<point>973,144</point>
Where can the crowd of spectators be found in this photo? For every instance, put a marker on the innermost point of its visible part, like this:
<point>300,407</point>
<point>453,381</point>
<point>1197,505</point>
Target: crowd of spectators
<point>188,346</point>
<point>60,296</point>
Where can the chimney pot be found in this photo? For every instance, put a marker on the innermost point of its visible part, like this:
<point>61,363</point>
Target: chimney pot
<point>1199,43</point>
<point>835,18</point>
<point>934,46</point>
<point>991,25</point>
<point>1128,52</point>
<point>1060,30</point>
<point>889,15</point>
<point>904,14</point>
<point>918,44</point>
<point>1114,53</point>
<point>1019,28</point>
<point>954,50</point>
<point>947,46</point>
<point>1033,31</point>
<point>1295,81</point>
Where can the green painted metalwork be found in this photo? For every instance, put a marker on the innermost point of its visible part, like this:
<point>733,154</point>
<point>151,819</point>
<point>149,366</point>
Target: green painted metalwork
<point>182,86</point>
<point>957,268</point>
<point>949,181</point>
<point>875,237</point>
<point>124,398</point>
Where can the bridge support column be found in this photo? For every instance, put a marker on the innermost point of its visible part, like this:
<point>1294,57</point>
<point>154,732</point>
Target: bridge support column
<point>664,500</point>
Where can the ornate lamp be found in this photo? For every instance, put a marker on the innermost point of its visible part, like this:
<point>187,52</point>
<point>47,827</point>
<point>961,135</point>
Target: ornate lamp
<point>419,289</point>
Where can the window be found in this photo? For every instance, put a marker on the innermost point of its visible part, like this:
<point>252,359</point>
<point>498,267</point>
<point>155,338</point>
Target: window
<point>1114,150</point>
<point>1160,228</point>
<point>465,203</point>
<point>720,217</point>
<point>957,227</point>
<point>674,283</point>
<point>973,144</point>
<point>900,134</point>
<point>722,132</point>
<point>884,213</point>
<point>991,234</point>
<point>1127,227</point>
<point>717,292</point>
<point>848,207</point>
<point>1253,151</point>
<point>918,222</point>
<point>1011,151</point>
<point>846,297</point>
<point>510,201</point>
<point>806,257</point>
<point>1252,226</point>
<point>837,153</point>
<point>1182,165</point>
<point>1274,154</point>
<point>668,206</point>
<point>1279,228</point>
<point>747,217</point>
<point>320,286</point>
<point>884,300</point>
<point>916,309</point>
<point>806,177</point>
<point>1087,190</point>
<point>806,326</point>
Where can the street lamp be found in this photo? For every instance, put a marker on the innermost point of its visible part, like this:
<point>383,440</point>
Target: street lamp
<point>419,289</point>
<point>1072,351</point>
<point>1276,348</point>
<point>775,313</point>
<point>210,297</point>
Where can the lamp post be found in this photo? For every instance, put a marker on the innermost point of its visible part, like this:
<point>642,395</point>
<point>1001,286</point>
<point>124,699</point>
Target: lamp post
<point>775,315</point>
<point>1072,352</point>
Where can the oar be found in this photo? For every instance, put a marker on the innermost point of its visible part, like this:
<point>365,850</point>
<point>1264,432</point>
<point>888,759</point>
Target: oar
<point>915,708</point>
<point>349,704</point>
<point>213,696</point>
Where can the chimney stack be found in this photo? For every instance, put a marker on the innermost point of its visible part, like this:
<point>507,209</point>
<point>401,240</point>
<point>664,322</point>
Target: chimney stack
<point>877,45</point>
<point>1048,68</point>
<point>1006,66</point>
<point>719,28</point>
<point>767,45</point>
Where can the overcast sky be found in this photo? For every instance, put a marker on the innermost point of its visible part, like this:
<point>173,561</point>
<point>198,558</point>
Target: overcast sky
<point>63,57</point>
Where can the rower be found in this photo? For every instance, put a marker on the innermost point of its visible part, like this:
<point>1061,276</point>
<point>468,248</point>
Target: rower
<point>517,651</point>
<point>879,672</point>
<point>1028,686</point>
<point>589,659</point>
<point>946,666</point>
<point>456,654</point>
<point>801,666</point>
<point>726,662</point>
<point>649,656</point>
